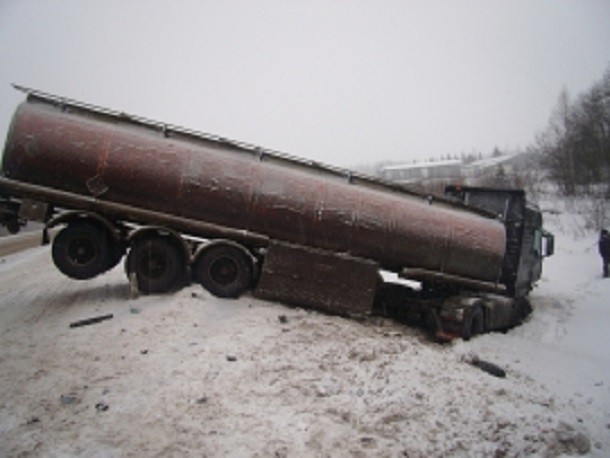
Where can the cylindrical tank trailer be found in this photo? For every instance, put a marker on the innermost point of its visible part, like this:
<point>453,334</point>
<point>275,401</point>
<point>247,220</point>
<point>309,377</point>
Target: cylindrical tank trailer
<point>113,159</point>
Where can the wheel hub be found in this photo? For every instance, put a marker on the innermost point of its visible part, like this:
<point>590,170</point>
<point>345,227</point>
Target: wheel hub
<point>224,270</point>
<point>82,251</point>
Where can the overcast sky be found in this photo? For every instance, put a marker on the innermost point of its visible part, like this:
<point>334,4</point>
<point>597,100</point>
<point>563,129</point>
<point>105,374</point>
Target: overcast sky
<point>343,82</point>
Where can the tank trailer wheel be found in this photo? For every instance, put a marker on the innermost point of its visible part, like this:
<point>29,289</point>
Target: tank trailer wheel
<point>116,251</point>
<point>13,226</point>
<point>224,270</point>
<point>157,263</point>
<point>81,250</point>
<point>473,323</point>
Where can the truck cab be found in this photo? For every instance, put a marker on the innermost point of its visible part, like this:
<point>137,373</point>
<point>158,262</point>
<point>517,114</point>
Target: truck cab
<point>527,243</point>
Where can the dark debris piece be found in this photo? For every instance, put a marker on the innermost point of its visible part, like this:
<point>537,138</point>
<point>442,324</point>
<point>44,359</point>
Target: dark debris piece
<point>488,367</point>
<point>101,407</point>
<point>89,321</point>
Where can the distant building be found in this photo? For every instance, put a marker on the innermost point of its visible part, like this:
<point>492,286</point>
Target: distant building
<point>448,171</point>
<point>488,167</point>
<point>423,172</point>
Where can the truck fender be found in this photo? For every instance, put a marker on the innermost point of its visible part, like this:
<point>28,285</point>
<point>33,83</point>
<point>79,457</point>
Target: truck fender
<point>71,216</point>
<point>206,246</point>
<point>145,231</point>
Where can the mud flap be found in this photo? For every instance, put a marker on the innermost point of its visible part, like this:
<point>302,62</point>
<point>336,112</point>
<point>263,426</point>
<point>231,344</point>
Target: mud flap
<point>335,283</point>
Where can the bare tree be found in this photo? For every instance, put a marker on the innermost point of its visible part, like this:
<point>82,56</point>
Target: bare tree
<point>576,144</point>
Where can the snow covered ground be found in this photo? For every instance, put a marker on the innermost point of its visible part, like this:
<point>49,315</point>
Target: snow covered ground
<point>191,375</point>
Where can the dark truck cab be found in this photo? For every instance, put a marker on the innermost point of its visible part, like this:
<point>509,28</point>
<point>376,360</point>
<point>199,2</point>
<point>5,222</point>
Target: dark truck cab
<point>527,243</point>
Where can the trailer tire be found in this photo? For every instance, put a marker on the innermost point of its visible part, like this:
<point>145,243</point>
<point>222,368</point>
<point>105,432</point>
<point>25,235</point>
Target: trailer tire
<point>224,270</point>
<point>474,323</point>
<point>116,252</point>
<point>81,250</point>
<point>12,226</point>
<point>157,263</point>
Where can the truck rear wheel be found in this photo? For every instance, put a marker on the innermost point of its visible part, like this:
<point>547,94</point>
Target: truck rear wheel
<point>115,254</point>
<point>157,263</point>
<point>474,323</point>
<point>224,270</point>
<point>80,250</point>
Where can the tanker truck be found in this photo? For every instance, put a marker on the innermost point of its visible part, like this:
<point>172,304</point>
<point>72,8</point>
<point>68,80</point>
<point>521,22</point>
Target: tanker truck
<point>180,206</point>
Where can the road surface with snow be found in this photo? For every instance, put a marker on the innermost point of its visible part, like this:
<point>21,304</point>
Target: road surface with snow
<point>187,374</point>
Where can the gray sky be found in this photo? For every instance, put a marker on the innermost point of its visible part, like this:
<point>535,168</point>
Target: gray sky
<point>343,82</point>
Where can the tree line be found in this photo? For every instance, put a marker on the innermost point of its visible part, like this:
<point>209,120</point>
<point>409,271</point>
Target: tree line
<point>575,147</point>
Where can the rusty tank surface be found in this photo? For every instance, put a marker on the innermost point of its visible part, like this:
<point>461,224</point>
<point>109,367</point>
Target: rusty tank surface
<point>115,158</point>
